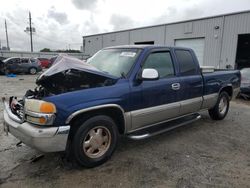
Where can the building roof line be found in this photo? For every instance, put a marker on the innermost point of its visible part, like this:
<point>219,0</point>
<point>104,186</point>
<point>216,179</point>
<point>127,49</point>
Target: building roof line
<point>170,23</point>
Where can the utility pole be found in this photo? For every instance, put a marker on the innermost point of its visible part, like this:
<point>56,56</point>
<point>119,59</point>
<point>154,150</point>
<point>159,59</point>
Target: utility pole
<point>7,39</point>
<point>31,41</point>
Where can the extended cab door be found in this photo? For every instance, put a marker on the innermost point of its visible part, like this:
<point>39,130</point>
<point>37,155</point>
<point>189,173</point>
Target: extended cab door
<point>191,82</point>
<point>157,99</point>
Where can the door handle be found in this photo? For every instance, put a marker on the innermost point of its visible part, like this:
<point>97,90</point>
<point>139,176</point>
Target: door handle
<point>176,86</point>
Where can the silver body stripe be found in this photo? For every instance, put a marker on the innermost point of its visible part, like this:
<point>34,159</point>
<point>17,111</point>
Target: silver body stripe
<point>209,101</point>
<point>145,117</point>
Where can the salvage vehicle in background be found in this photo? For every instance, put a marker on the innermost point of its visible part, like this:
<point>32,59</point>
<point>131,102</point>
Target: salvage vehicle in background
<point>57,58</point>
<point>1,67</point>
<point>45,63</point>
<point>245,83</point>
<point>21,65</point>
<point>137,91</point>
<point>53,59</point>
<point>2,58</point>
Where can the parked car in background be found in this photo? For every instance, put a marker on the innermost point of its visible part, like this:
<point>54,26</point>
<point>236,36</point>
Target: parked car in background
<point>21,65</point>
<point>45,63</point>
<point>53,59</point>
<point>2,58</point>
<point>245,83</point>
<point>57,58</point>
<point>1,67</point>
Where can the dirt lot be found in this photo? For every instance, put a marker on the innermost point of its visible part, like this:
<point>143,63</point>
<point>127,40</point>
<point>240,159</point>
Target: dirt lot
<point>203,154</point>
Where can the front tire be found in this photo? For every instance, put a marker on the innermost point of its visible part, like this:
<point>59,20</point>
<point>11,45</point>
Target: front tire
<point>220,110</point>
<point>94,141</point>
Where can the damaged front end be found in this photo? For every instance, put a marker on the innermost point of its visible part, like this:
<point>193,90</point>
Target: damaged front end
<point>66,75</point>
<point>69,74</point>
<point>31,119</point>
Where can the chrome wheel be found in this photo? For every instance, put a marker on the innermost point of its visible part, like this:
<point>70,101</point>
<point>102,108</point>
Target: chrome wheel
<point>97,142</point>
<point>220,110</point>
<point>32,71</point>
<point>223,105</point>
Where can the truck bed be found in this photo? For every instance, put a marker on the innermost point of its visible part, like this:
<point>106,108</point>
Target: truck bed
<point>219,78</point>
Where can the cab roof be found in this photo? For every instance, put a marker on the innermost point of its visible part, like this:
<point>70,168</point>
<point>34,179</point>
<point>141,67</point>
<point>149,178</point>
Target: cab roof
<point>144,47</point>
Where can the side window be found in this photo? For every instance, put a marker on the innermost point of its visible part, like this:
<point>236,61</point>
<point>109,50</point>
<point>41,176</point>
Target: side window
<point>16,61</point>
<point>186,62</point>
<point>13,61</point>
<point>162,62</point>
<point>24,60</point>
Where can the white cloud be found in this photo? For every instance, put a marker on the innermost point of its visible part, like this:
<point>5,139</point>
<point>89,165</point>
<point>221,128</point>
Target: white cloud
<point>62,23</point>
<point>60,17</point>
<point>84,4</point>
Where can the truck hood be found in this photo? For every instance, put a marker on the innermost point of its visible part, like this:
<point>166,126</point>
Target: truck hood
<point>70,74</point>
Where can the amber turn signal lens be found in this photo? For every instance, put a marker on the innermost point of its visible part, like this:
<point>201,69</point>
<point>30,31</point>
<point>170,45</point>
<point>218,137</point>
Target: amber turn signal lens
<point>42,120</point>
<point>47,107</point>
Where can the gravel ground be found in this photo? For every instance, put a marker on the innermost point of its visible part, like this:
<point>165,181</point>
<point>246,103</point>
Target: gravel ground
<point>202,154</point>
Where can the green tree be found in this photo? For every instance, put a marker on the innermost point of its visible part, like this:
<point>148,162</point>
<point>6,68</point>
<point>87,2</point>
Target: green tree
<point>45,50</point>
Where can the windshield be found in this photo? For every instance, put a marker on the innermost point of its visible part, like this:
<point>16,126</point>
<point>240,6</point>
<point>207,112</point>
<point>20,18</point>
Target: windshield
<point>116,62</point>
<point>5,60</point>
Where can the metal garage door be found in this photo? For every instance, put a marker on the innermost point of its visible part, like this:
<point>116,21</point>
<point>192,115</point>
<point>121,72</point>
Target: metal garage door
<point>196,44</point>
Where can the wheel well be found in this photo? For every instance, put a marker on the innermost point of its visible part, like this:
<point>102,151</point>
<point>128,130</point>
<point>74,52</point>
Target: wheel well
<point>229,91</point>
<point>32,68</point>
<point>115,113</point>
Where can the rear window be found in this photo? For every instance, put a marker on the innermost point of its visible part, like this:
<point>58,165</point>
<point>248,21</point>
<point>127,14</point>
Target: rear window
<point>186,62</point>
<point>42,59</point>
<point>33,60</point>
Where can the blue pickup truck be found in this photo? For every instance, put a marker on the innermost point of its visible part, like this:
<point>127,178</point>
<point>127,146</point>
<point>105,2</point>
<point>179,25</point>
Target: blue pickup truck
<point>137,91</point>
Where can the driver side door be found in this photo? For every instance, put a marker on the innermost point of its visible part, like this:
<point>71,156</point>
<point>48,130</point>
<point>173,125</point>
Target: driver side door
<point>158,98</point>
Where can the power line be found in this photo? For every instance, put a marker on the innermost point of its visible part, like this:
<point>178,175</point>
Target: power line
<point>31,30</point>
<point>42,37</point>
<point>53,41</point>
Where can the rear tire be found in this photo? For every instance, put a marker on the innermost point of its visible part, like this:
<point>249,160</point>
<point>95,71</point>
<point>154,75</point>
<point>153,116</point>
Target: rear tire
<point>94,141</point>
<point>220,110</point>
<point>32,71</point>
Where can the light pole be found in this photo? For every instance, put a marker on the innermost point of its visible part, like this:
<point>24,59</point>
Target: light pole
<point>30,30</point>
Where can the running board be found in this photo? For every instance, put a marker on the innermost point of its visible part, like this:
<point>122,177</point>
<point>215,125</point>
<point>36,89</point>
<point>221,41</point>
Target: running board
<point>163,127</point>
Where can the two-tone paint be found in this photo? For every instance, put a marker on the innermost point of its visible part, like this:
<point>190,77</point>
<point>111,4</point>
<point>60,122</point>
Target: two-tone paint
<point>145,103</point>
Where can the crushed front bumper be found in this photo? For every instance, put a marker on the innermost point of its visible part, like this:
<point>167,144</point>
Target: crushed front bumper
<point>45,139</point>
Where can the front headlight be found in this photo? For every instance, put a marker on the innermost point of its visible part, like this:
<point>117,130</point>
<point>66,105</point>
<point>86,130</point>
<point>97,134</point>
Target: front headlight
<point>39,112</point>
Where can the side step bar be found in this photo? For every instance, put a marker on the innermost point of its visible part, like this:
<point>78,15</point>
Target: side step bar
<point>163,127</point>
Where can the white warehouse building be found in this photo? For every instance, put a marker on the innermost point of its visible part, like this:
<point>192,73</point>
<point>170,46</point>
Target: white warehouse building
<point>222,41</point>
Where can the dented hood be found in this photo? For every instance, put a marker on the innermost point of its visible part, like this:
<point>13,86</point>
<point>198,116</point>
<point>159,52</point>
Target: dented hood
<point>70,74</point>
<point>63,63</point>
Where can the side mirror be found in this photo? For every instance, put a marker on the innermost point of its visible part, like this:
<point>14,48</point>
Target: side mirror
<point>150,74</point>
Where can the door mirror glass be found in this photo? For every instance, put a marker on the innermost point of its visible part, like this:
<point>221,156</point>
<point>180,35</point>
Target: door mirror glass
<point>150,74</point>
